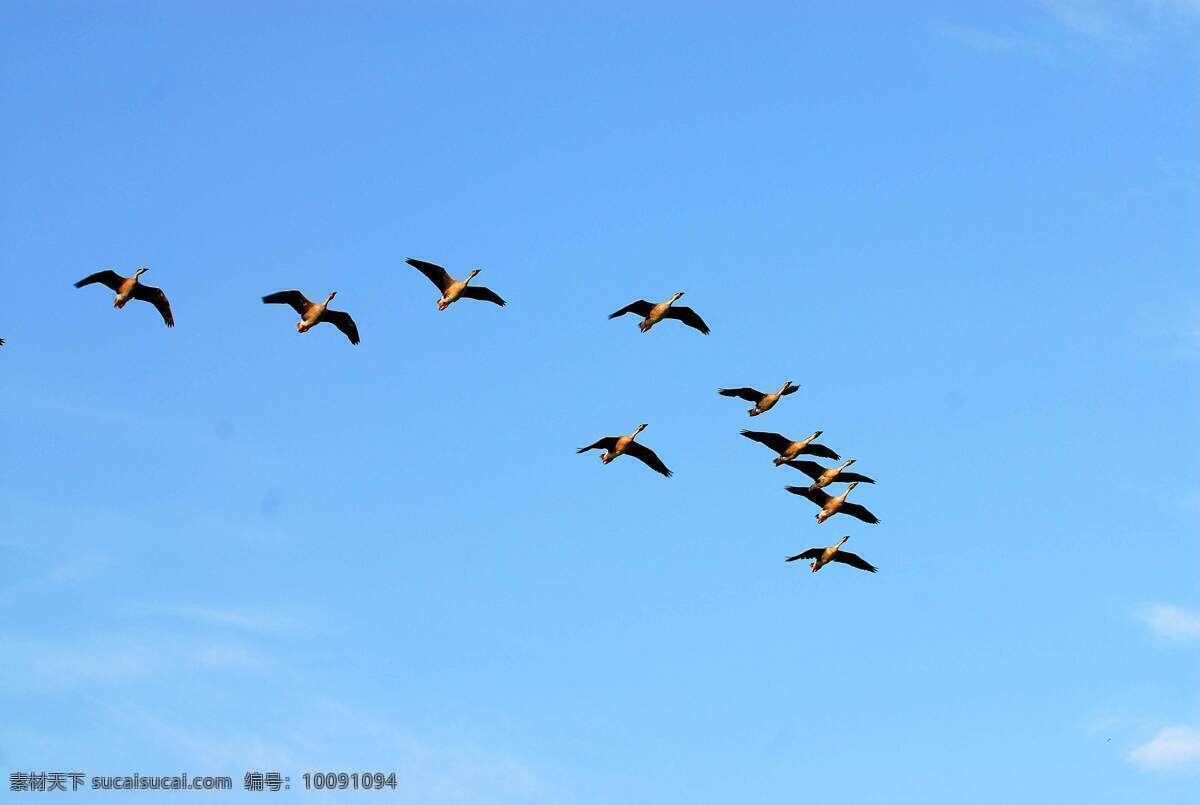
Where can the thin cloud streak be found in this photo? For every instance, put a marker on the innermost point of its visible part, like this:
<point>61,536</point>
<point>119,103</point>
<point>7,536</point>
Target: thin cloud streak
<point>1172,622</point>
<point>1176,747</point>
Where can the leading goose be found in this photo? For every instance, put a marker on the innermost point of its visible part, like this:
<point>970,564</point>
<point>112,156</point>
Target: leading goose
<point>833,553</point>
<point>787,449</point>
<point>131,288</point>
<point>615,446</point>
<point>652,314</point>
<point>762,402</point>
<point>452,289</point>
<point>824,476</point>
<point>832,505</point>
<point>312,314</point>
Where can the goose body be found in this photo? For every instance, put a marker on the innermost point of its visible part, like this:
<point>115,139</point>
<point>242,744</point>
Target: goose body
<point>652,313</point>
<point>452,289</point>
<point>616,446</point>
<point>834,553</point>
<point>831,505</point>
<point>128,288</point>
<point>787,449</point>
<point>824,476</point>
<point>762,402</point>
<point>312,314</point>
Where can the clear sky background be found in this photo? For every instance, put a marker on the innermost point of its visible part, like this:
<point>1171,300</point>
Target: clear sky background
<point>968,233</point>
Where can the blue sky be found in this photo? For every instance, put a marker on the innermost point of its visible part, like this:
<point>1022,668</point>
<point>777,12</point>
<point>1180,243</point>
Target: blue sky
<point>969,234</point>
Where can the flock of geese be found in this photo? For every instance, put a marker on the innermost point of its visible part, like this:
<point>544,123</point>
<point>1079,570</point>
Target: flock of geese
<point>787,450</point>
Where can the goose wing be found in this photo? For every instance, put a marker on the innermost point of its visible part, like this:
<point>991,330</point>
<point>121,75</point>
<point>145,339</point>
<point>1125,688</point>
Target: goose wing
<point>749,395</point>
<point>293,298</point>
<point>820,450</point>
<point>854,560</point>
<point>688,316</point>
<point>641,307</point>
<point>483,294</point>
<point>648,457</point>
<point>811,553</point>
<point>437,275</point>
<point>858,512</point>
<point>155,296</point>
<point>810,468</point>
<point>608,443</point>
<point>341,320</point>
<point>107,277</point>
<point>853,477</point>
<point>815,495</point>
<point>775,441</point>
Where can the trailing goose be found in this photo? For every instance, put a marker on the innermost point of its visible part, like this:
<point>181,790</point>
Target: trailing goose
<point>832,505</point>
<point>128,288</point>
<point>452,289</point>
<point>762,402</point>
<point>652,314</point>
<point>824,476</point>
<point>787,449</point>
<point>312,314</point>
<point>834,553</point>
<point>615,446</point>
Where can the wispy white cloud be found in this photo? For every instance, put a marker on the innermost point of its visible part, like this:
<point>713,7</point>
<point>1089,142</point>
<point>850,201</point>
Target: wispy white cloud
<point>1172,622</point>
<point>1176,747</point>
<point>1095,18</point>
<point>244,619</point>
<point>1119,20</point>
<point>114,659</point>
<point>1116,22</point>
<point>979,39</point>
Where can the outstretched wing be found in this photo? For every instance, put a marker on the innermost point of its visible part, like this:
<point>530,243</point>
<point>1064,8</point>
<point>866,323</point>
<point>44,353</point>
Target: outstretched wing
<point>815,495</point>
<point>688,316</point>
<point>483,294</point>
<point>293,298</point>
<point>341,320</point>
<point>648,457</point>
<point>820,450</point>
<point>749,395</point>
<point>641,307</point>
<point>155,296</point>
<point>775,441</point>
<point>854,560</point>
<point>810,468</point>
<point>607,443</point>
<point>437,275</point>
<point>858,512</point>
<point>811,553</point>
<point>108,277</point>
<point>853,477</point>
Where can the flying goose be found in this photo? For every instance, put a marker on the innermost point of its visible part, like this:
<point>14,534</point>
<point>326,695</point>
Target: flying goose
<point>452,289</point>
<point>762,402</point>
<point>131,288</point>
<point>615,446</point>
<point>652,314</point>
<point>832,505</point>
<point>824,476</point>
<point>312,314</point>
<point>833,553</point>
<point>787,449</point>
